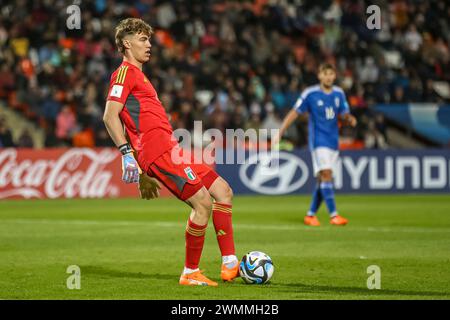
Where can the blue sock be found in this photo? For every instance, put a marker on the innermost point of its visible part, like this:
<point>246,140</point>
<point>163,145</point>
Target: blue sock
<point>328,195</point>
<point>316,201</point>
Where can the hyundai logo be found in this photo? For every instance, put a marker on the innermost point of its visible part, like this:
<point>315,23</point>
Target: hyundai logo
<point>290,174</point>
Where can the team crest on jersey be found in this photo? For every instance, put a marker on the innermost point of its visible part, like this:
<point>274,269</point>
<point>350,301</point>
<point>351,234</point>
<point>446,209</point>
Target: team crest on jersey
<point>319,103</point>
<point>336,102</point>
<point>190,174</point>
<point>145,79</point>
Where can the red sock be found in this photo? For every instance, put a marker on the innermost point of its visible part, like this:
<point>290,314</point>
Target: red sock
<point>195,238</point>
<point>224,228</point>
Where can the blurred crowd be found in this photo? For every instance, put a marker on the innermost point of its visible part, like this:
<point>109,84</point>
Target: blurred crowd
<point>231,64</point>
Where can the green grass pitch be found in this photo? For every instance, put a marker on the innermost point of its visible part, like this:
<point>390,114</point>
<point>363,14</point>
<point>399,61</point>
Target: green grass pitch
<point>134,249</point>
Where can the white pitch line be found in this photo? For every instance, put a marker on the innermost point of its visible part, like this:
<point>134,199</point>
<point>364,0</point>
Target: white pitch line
<point>285,227</point>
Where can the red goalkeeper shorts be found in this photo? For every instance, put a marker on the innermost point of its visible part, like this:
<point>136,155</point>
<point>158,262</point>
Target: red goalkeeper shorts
<point>182,179</point>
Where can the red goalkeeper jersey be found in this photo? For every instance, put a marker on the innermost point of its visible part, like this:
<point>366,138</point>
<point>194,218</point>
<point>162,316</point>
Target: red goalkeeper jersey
<point>143,115</point>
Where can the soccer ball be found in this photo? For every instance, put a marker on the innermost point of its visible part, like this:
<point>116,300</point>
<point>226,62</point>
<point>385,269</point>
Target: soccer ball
<point>256,268</point>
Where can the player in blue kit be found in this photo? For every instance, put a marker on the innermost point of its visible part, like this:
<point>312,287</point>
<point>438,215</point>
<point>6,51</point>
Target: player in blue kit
<point>325,104</point>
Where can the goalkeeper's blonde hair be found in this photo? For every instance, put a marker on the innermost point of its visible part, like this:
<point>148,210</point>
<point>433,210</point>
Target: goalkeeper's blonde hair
<point>131,26</point>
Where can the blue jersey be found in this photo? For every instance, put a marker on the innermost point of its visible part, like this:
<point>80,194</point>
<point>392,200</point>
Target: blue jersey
<point>323,109</point>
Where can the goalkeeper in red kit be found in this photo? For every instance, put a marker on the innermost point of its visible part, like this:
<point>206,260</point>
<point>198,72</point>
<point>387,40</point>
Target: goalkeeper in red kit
<point>147,155</point>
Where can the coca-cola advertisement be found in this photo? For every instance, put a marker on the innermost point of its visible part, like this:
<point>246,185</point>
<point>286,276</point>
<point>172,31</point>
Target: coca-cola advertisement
<point>63,173</point>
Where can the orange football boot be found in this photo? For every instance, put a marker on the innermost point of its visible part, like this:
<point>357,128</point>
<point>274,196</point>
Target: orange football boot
<point>338,221</point>
<point>228,274</point>
<point>311,221</point>
<point>196,279</point>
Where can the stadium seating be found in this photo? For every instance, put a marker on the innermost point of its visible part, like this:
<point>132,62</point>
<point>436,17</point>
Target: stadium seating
<point>226,60</point>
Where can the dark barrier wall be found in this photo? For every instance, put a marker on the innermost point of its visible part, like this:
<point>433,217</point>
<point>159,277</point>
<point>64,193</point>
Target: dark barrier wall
<point>371,171</point>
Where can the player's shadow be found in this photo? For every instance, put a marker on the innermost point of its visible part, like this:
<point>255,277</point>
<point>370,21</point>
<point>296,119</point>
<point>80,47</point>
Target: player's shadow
<point>101,271</point>
<point>304,288</point>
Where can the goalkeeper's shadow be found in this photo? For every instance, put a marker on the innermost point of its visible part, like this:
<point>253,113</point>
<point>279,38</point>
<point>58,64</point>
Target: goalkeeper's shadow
<point>115,273</point>
<point>305,288</point>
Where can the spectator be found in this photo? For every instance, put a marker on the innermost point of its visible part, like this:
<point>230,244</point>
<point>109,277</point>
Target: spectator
<point>399,95</point>
<point>373,138</point>
<point>84,138</point>
<point>65,124</point>
<point>25,140</point>
<point>51,140</point>
<point>6,139</point>
<point>50,107</point>
<point>103,139</point>
<point>412,39</point>
<point>380,125</point>
<point>271,121</point>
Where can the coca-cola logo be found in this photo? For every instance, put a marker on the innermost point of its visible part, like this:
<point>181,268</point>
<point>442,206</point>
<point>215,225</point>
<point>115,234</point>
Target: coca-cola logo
<point>74,173</point>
